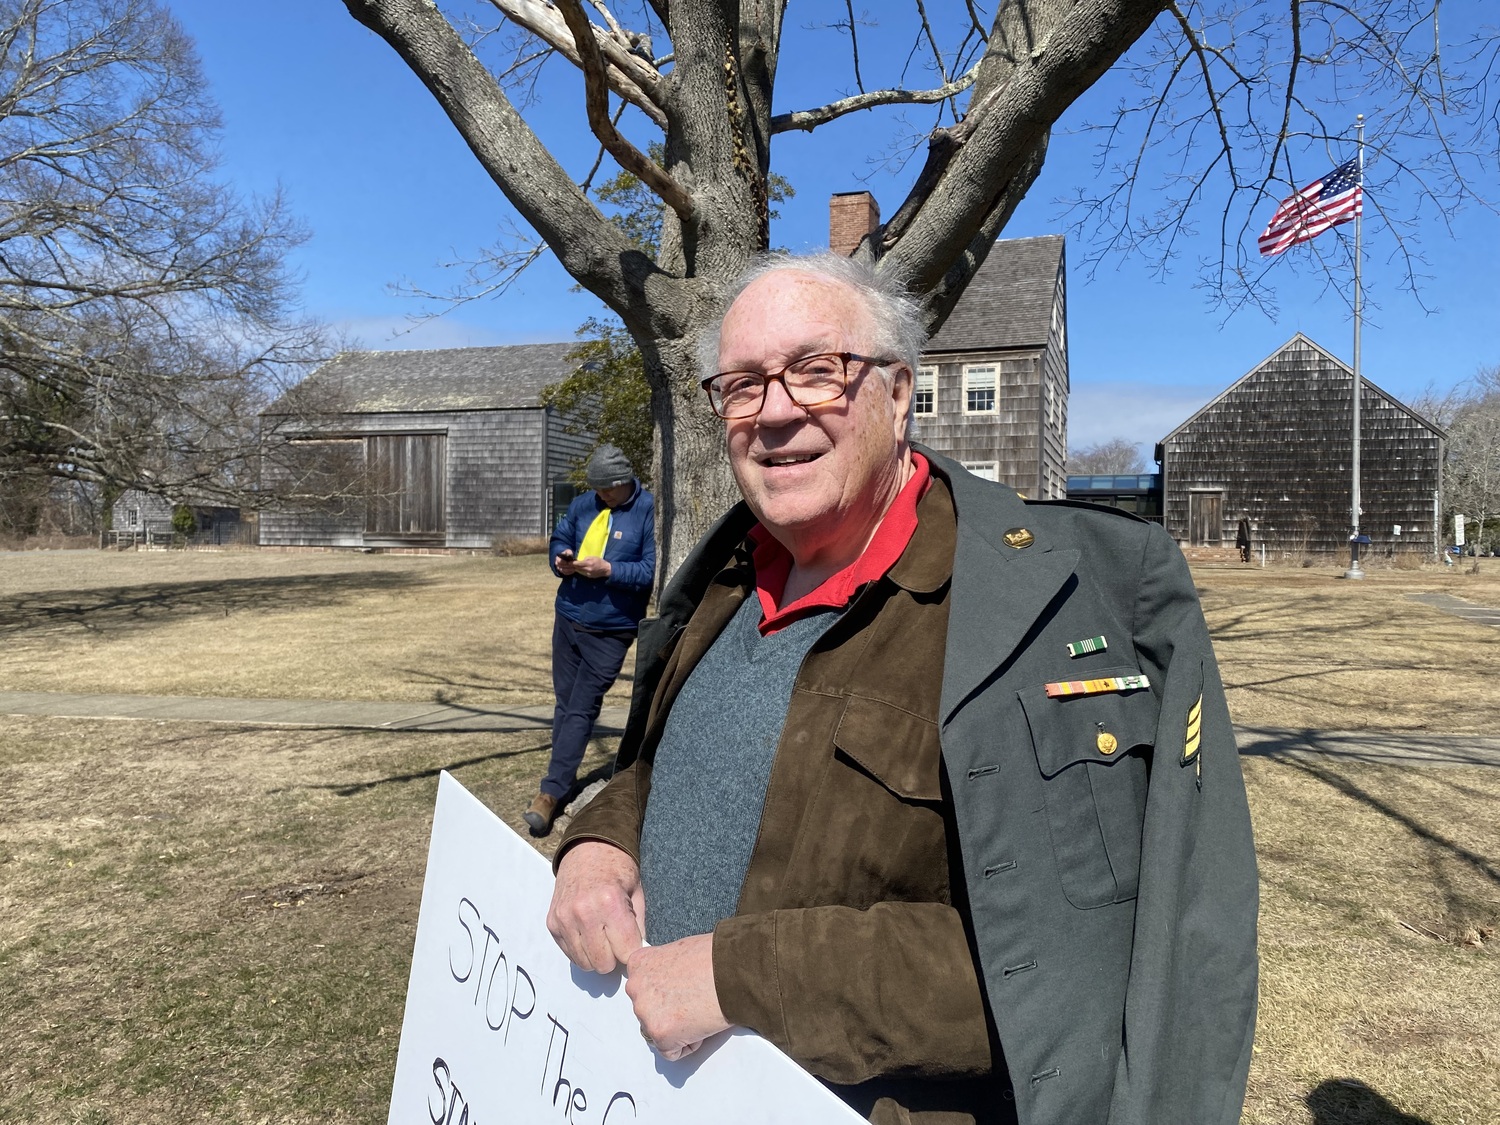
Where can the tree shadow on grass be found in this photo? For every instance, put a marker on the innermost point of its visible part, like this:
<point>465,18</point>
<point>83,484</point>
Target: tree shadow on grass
<point>1348,1101</point>
<point>1484,865</point>
<point>354,788</point>
<point>148,606</point>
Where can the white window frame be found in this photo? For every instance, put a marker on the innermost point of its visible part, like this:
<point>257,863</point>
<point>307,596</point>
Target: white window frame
<point>984,470</point>
<point>988,372</point>
<point>925,380</point>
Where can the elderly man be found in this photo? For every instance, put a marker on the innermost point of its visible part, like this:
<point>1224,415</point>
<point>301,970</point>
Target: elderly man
<point>933,787</point>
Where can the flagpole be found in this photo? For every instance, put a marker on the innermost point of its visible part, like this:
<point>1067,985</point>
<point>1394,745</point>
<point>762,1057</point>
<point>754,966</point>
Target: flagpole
<point>1354,570</point>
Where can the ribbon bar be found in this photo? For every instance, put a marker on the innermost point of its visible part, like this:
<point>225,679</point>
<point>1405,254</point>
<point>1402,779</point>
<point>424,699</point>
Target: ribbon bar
<point>1095,687</point>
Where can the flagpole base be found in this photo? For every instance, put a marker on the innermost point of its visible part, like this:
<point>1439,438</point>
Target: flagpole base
<point>1354,570</point>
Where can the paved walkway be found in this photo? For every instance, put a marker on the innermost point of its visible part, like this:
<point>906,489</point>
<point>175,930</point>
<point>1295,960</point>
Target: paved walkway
<point>1460,607</point>
<point>1362,746</point>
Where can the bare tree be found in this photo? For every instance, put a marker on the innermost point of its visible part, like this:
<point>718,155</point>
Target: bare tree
<point>145,312</point>
<point>699,76</point>
<point>1471,481</point>
<point>1117,455</point>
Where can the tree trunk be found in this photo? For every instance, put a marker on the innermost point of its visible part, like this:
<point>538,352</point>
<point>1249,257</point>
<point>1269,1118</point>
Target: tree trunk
<point>715,103</point>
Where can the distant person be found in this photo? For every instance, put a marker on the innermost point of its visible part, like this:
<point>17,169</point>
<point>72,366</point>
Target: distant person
<point>604,550</point>
<point>1242,538</point>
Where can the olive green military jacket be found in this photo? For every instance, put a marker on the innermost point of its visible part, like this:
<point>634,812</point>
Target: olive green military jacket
<point>1105,849</point>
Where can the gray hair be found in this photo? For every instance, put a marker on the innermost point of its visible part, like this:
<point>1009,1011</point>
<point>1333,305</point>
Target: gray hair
<point>896,315</point>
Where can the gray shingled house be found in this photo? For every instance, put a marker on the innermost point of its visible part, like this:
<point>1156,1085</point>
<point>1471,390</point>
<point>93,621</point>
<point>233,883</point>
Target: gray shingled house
<point>1275,448</point>
<point>446,448</point>
<point>992,391</point>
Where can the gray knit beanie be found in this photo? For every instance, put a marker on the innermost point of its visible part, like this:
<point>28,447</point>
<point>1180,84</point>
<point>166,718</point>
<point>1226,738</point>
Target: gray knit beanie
<point>608,468</point>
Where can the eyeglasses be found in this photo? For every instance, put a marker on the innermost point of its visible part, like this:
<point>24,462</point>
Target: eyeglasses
<point>809,381</point>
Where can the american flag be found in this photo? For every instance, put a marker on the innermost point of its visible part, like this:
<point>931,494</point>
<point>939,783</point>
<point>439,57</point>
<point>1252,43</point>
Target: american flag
<point>1336,198</point>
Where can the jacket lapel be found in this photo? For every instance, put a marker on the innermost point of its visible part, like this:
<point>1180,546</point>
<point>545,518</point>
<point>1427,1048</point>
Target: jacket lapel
<point>999,590</point>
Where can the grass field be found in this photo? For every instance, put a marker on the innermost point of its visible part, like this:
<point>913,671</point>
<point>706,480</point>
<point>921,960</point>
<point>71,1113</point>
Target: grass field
<point>207,922</point>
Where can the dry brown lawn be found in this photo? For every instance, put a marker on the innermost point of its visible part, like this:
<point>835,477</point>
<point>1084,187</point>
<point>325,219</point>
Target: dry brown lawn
<point>1306,649</point>
<point>276,625</point>
<point>207,922</point>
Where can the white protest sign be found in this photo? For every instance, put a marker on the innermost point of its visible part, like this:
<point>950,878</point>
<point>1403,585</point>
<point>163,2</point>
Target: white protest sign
<point>500,1027</point>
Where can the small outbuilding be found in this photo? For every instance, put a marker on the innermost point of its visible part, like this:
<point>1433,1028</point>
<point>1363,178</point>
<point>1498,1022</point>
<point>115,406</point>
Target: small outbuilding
<point>147,517</point>
<point>448,448</point>
<point>1276,449</point>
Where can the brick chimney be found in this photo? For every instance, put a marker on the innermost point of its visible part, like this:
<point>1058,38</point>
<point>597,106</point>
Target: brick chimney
<point>851,216</point>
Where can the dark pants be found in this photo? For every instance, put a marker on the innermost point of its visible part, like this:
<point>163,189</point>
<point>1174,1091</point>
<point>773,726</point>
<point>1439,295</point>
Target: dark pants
<point>584,664</point>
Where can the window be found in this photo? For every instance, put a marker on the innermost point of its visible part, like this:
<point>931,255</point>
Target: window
<point>924,391</point>
<point>979,390</point>
<point>984,470</point>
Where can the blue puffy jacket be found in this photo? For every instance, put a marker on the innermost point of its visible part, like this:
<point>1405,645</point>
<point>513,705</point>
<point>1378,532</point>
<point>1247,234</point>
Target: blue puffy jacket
<point>616,603</point>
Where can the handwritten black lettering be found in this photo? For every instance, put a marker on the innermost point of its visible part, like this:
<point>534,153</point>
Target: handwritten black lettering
<point>489,935</point>
<point>489,965</point>
<point>562,1059</point>
<point>463,902</point>
<point>516,1013</point>
<point>440,1075</point>
<point>620,1095</point>
<point>500,959</point>
<point>452,1100</point>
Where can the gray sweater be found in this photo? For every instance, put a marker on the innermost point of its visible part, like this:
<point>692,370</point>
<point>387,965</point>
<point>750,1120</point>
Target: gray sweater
<point>708,783</point>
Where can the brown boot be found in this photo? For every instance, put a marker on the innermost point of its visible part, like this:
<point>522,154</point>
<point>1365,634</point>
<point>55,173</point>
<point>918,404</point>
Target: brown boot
<point>541,814</point>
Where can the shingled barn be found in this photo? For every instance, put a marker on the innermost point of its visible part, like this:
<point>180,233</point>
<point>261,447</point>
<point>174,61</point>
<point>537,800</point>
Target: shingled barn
<point>448,448</point>
<point>1276,448</point>
<point>992,390</point>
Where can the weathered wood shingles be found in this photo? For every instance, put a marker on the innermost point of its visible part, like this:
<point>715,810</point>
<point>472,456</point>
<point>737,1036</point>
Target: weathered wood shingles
<point>1013,316</point>
<point>501,449</point>
<point>1277,444</point>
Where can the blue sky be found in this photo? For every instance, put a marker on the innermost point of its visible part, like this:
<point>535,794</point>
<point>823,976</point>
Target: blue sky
<point>314,103</point>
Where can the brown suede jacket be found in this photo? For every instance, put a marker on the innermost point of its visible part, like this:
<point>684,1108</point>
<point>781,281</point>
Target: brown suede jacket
<point>949,859</point>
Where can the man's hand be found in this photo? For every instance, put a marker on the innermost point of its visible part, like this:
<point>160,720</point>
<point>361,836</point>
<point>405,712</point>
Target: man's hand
<point>593,568</point>
<point>672,988</point>
<point>598,912</point>
<point>564,564</point>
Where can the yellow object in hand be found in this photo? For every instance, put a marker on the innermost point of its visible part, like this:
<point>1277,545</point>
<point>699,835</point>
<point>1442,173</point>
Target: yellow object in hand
<point>595,538</point>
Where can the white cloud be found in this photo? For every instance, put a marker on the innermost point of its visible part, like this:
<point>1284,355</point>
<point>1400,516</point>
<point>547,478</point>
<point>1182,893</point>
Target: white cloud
<point>1141,412</point>
<point>397,333</point>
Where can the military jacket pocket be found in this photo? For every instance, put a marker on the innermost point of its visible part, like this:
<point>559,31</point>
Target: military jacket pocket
<point>1092,752</point>
<point>898,749</point>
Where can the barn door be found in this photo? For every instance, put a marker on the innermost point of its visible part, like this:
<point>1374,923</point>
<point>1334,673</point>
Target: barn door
<point>408,475</point>
<point>1205,518</point>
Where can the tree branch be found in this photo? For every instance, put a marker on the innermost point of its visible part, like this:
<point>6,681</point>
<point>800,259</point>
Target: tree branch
<point>627,72</point>
<point>596,93</point>
<point>585,242</point>
<point>809,119</point>
<point>1040,58</point>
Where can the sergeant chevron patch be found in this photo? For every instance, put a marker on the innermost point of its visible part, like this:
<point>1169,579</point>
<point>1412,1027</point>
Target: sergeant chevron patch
<point>1194,731</point>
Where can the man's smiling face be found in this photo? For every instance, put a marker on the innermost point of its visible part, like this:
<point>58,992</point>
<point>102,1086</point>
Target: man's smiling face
<point>819,478</point>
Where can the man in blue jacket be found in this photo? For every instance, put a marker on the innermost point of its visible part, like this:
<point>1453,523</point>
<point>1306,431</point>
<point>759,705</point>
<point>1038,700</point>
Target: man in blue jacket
<point>604,550</point>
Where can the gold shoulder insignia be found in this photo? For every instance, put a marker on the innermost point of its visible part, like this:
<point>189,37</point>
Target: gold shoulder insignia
<point>1194,731</point>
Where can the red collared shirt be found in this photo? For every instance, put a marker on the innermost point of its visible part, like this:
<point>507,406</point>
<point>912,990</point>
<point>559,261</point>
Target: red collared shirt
<point>773,562</point>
